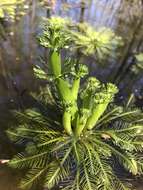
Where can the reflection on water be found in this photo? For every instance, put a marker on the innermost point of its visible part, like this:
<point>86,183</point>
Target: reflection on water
<point>19,51</point>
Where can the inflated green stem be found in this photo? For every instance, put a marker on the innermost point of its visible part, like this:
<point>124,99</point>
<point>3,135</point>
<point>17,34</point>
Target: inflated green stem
<point>75,88</point>
<point>55,63</point>
<point>82,70</point>
<point>62,85</point>
<point>96,114</point>
<point>92,86</point>
<point>81,122</point>
<point>63,88</point>
<point>67,122</point>
<point>74,96</point>
<point>102,100</point>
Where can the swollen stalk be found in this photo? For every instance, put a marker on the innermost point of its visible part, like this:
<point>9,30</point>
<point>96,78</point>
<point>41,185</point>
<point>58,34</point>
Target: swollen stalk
<point>101,101</point>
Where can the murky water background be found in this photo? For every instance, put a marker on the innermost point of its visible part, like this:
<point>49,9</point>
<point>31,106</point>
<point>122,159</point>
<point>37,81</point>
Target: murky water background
<point>20,51</point>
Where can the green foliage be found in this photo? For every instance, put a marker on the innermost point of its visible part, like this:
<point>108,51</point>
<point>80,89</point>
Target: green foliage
<point>139,57</point>
<point>75,137</point>
<point>63,33</point>
<point>102,42</point>
<point>8,8</point>
<point>55,34</point>
<point>88,162</point>
<point>138,67</point>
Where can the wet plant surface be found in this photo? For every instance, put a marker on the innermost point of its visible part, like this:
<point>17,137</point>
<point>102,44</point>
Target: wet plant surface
<point>19,51</point>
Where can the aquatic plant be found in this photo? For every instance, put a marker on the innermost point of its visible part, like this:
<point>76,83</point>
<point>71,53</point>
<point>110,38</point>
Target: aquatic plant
<point>81,36</point>
<point>101,42</point>
<point>57,28</point>
<point>50,4</point>
<point>76,137</point>
<point>138,67</point>
<point>8,8</point>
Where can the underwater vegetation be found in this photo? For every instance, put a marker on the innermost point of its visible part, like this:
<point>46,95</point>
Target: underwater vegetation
<point>138,67</point>
<point>8,8</point>
<point>75,137</point>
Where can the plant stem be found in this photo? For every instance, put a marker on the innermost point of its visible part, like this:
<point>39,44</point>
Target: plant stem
<point>81,122</point>
<point>96,114</point>
<point>79,128</point>
<point>75,88</point>
<point>63,88</point>
<point>55,63</point>
<point>67,122</point>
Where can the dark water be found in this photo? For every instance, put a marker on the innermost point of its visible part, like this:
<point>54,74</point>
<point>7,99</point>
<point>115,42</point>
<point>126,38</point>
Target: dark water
<point>19,51</point>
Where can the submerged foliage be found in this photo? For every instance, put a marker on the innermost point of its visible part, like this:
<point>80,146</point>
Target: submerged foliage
<point>100,43</point>
<point>8,8</point>
<point>91,161</point>
<point>57,28</point>
<point>138,67</point>
<point>75,137</point>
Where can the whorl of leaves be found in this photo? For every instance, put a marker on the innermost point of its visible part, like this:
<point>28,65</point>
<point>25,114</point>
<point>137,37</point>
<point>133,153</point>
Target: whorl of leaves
<point>91,162</point>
